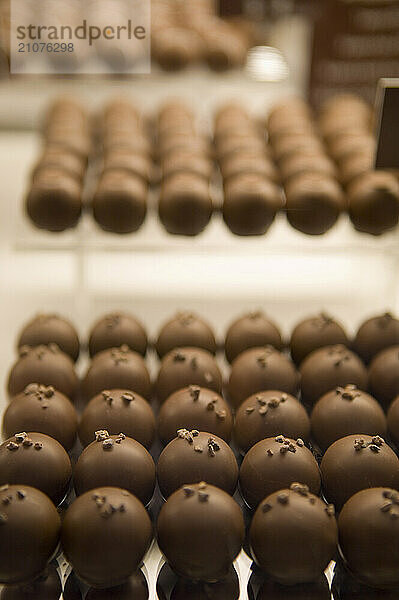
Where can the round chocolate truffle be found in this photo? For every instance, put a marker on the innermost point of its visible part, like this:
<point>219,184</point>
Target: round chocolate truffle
<point>195,407</point>
<point>211,521</point>
<point>185,329</point>
<point>245,169</point>
<point>46,587</point>
<point>368,461</point>
<point>327,368</point>
<point>105,535</point>
<point>393,421</point>
<point>259,369</point>
<point>117,410</point>
<point>187,162</point>
<point>187,366</point>
<point>374,202</point>
<point>369,536</point>
<point>42,409</point>
<point>115,461</point>
<point>46,365</point>
<point>56,157</point>
<point>293,518</point>
<point>47,329</point>
<point>270,590</point>
<point>135,588</point>
<point>251,330</point>
<point>132,163</point>
<point>314,333</point>
<point>38,460</point>
<point>307,162</point>
<point>376,334</point>
<point>28,521</point>
<point>227,588</point>
<point>345,411</point>
<point>195,456</point>
<point>384,375</point>
<point>268,414</point>
<point>117,368</point>
<point>114,330</point>
<point>273,464</point>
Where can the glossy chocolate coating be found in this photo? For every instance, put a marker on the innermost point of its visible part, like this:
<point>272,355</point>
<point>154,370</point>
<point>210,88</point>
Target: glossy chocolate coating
<point>313,333</point>
<point>268,414</point>
<point>375,335</point>
<point>44,410</point>
<point>114,330</point>
<point>298,520</point>
<point>185,329</point>
<point>393,421</point>
<point>135,588</point>
<point>195,456</point>
<point>273,464</point>
<point>187,366</point>
<point>116,461</point>
<point>200,532</point>
<point>251,330</point>
<point>46,365</point>
<point>195,407</point>
<point>327,368</point>
<point>259,369</point>
<point>117,410</point>
<point>117,368</point>
<point>30,529</point>
<point>345,411</point>
<point>101,519</point>
<point>384,375</point>
<point>45,587</point>
<point>47,329</point>
<point>369,536</point>
<point>369,461</point>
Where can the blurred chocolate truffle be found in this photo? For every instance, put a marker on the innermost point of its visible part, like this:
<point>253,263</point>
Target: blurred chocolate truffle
<point>251,330</point>
<point>313,333</point>
<point>300,520</point>
<point>187,366</point>
<point>384,375</point>
<point>30,529</point>
<point>393,421</point>
<point>195,407</point>
<point>259,369</point>
<point>114,330</point>
<point>117,368</point>
<point>307,162</point>
<point>369,461</point>
<point>227,588</point>
<point>268,414</point>
<point>375,335</point>
<point>327,368</point>
<point>195,456</point>
<point>215,526</point>
<point>42,409</point>
<point>48,328</point>
<point>135,588</point>
<point>185,329</point>
<point>186,161</point>
<point>117,410</point>
<point>46,587</point>
<point>125,161</point>
<point>247,169</point>
<point>345,411</point>
<point>270,590</point>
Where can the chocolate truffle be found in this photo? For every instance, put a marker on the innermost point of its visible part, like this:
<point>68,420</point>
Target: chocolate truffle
<point>374,202</point>
<point>56,157</point>
<point>227,588</point>
<point>307,162</point>
<point>259,369</point>
<point>114,330</point>
<point>105,535</point>
<point>195,407</point>
<point>251,330</point>
<point>247,168</point>
<point>192,143</point>
<point>313,333</point>
<point>47,329</point>
<point>301,522</point>
<point>353,167</point>
<point>268,414</point>
<point>345,411</point>
<point>187,366</point>
<point>116,461</point>
<point>250,204</point>
<point>30,529</point>
<point>187,162</point>
<point>211,521</point>
<point>369,461</point>
<point>291,144</point>
<point>117,410</point>
<point>45,587</point>
<point>393,421</point>
<point>38,460</point>
<point>195,456</point>
<point>117,368</point>
<point>135,588</point>
<point>273,464</point>
<point>132,163</point>
<point>270,590</point>
<point>327,368</point>
<point>185,329</point>
<point>384,375</point>
<point>345,587</point>
<point>234,144</point>
<point>42,409</point>
<point>46,365</point>
<point>314,203</point>
<point>369,536</point>
<point>185,205</point>
<point>375,335</point>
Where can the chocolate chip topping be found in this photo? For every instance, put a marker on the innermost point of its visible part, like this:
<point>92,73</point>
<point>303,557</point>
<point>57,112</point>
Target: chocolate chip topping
<point>374,445</point>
